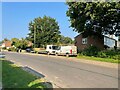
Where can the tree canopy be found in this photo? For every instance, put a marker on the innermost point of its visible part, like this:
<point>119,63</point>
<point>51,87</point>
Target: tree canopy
<point>20,43</point>
<point>43,31</point>
<point>65,40</point>
<point>98,17</point>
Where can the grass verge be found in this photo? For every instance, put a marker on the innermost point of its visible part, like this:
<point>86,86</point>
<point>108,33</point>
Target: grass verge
<point>15,77</point>
<point>98,59</point>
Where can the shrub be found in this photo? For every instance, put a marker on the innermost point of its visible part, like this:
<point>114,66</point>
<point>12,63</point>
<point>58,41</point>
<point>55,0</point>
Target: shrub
<point>12,49</point>
<point>91,51</point>
<point>94,51</point>
<point>4,48</point>
<point>102,54</point>
<point>116,57</point>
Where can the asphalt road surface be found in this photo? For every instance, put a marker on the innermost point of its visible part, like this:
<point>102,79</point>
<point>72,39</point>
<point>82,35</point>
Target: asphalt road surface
<point>66,73</point>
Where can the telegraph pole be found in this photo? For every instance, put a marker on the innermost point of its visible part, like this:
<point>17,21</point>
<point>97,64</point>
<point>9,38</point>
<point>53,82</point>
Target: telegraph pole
<point>34,35</point>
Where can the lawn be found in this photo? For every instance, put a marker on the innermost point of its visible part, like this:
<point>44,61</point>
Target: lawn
<point>15,77</point>
<point>98,59</point>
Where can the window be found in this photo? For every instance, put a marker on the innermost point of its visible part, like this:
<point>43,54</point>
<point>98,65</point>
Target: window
<point>55,47</point>
<point>84,40</point>
<point>49,47</point>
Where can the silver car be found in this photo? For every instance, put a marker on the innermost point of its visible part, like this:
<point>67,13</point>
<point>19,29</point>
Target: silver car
<point>2,55</point>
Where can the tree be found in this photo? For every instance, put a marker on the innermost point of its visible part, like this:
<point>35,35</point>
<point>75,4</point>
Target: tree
<point>5,39</point>
<point>21,44</point>
<point>14,40</point>
<point>43,31</point>
<point>95,17</point>
<point>65,40</point>
<point>119,38</point>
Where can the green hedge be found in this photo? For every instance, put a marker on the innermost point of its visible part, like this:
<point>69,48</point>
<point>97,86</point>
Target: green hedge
<point>94,51</point>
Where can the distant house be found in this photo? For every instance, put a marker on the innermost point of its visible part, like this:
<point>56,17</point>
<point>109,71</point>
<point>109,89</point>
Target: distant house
<point>7,44</point>
<point>83,43</point>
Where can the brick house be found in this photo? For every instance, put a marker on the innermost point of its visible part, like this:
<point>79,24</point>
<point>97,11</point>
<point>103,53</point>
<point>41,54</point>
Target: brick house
<point>84,42</point>
<point>7,44</point>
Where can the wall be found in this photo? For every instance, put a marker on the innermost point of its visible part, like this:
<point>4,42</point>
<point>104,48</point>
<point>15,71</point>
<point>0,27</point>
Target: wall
<point>90,41</point>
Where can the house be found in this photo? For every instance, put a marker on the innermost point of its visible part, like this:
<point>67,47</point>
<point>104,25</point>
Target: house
<point>7,44</point>
<point>118,44</point>
<point>84,42</point>
<point>110,42</point>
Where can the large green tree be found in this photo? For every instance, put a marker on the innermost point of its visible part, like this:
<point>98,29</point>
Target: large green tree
<point>95,17</point>
<point>43,31</point>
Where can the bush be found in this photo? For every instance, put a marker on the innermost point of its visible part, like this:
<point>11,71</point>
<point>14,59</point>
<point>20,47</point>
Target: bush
<point>116,57</point>
<point>94,51</point>
<point>102,54</point>
<point>12,49</point>
<point>91,51</point>
<point>4,48</point>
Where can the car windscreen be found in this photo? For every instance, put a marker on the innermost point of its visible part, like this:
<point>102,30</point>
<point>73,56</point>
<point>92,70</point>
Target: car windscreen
<point>55,47</point>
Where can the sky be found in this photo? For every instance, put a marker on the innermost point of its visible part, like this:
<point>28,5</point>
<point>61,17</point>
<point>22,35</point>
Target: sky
<point>0,21</point>
<point>17,15</point>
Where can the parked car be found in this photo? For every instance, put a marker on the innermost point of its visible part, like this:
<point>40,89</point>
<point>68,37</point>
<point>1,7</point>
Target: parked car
<point>30,50</point>
<point>2,55</point>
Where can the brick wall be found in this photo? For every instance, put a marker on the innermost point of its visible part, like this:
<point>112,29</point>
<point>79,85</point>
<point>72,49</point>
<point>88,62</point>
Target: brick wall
<point>90,41</point>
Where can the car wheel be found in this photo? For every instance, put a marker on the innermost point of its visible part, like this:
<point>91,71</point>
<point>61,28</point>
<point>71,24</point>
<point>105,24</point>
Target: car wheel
<point>56,54</point>
<point>48,53</point>
<point>67,55</point>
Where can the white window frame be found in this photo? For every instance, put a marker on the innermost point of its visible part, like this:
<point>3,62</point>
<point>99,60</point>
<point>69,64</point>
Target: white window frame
<point>84,40</point>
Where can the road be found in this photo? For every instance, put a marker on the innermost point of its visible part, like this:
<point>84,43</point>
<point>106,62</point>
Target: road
<point>67,73</point>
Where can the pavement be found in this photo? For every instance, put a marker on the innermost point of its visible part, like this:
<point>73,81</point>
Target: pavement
<point>69,72</point>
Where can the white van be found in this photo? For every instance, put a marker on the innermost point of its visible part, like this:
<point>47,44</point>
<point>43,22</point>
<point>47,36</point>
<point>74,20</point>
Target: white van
<point>51,49</point>
<point>66,50</point>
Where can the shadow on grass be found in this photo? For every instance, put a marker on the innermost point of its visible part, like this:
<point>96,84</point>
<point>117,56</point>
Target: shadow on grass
<point>22,77</point>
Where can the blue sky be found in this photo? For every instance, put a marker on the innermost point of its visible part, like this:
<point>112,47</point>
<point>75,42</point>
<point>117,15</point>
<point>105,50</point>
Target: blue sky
<point>0,21</point>
<point>17,15</point>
